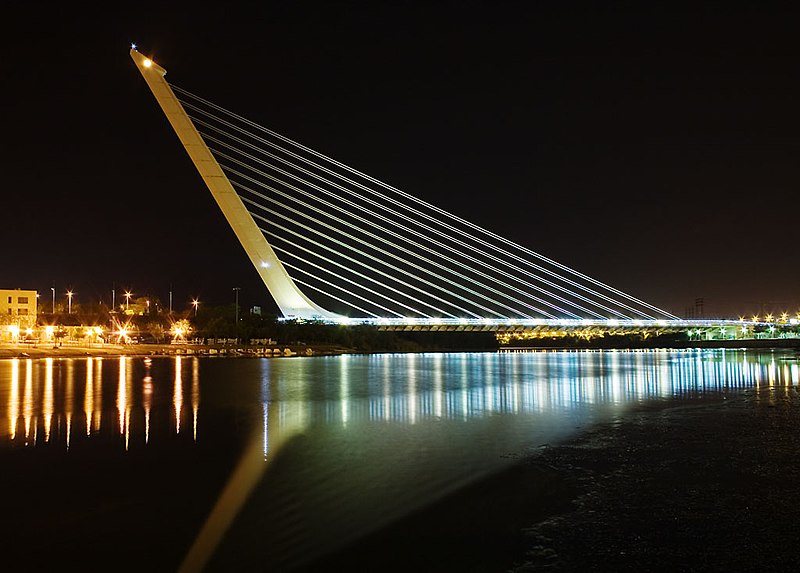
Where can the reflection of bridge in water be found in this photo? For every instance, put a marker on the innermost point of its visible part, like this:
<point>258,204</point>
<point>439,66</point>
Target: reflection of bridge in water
<point>373,254</point>
<point>127,400</point>
<point>301,456</point>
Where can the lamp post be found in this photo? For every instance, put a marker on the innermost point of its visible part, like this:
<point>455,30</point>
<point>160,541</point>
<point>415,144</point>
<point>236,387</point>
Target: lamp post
<point>54,298</point>
<point>69,302</point>
<point>127,299</point>
<point>236,290</point>
<point>195,304</point>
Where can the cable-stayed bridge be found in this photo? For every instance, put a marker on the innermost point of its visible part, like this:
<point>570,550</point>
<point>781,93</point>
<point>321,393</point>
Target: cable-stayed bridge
<point>334,244</point>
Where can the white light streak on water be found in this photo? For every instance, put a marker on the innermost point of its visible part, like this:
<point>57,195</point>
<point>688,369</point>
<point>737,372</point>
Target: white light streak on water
<point>88,397</point>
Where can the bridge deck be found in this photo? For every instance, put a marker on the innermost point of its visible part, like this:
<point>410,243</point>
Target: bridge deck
<point>611,326</point>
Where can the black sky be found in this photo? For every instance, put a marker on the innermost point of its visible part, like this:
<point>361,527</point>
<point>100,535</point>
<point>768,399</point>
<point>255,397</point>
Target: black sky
<point>654,150</point>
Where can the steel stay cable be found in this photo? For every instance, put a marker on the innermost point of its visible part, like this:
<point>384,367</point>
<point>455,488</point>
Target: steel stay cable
<point>432,219</point>
<point>423,236</point>
<point>436,297</point>
<point>398,247</point>
<point>403,249</point>
<point>436,231</point>
<point>372,302</point>
<point>371,279</point>
<point>442,212</point>
<point>350,304</point>
<point>382,262</point>
<point>293,255</point>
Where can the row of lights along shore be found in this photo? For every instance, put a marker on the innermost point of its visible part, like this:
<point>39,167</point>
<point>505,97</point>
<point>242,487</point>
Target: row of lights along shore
<point>119,332</point>
<point>70,294</point>
<point>782,318</point>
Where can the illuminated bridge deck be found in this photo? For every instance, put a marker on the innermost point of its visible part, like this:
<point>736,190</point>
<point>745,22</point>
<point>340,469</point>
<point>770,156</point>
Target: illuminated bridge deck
<point>608,326</point>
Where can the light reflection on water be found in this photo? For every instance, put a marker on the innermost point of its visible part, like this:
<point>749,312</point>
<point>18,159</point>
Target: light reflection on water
<point>47,400</point>
<point>360,439</point>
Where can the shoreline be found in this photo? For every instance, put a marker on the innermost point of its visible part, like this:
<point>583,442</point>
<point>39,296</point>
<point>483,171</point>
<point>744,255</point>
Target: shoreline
<point>750,343</point>
<point>112,350</point>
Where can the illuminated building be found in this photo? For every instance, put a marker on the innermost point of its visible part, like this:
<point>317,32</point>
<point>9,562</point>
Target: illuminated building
<point>18,307</point>
<point>17,313</point>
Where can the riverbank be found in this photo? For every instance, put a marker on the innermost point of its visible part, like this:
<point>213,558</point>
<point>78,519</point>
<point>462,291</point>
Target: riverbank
<point>697,485</point>
<point>628,344</point>
<point>110,350</point>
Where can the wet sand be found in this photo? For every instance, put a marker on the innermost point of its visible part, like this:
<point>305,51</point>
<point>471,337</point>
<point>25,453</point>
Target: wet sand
<point>706,487</point>
<point>707,484</point>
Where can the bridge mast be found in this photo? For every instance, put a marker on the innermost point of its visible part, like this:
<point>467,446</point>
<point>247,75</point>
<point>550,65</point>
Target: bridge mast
<point>291,301</point>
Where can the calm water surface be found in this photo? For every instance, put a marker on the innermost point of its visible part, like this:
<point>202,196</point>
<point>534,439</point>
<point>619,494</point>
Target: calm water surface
<point>136,462</point>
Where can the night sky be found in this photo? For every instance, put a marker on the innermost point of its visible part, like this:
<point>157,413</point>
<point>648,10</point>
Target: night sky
<point>656,151</point>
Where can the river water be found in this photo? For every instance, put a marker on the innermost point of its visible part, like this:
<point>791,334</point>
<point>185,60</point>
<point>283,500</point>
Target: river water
<point>138,462</point>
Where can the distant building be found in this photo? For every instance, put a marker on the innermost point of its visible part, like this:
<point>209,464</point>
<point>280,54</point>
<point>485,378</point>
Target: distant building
<point>18,305</point>
<point>17,311</point>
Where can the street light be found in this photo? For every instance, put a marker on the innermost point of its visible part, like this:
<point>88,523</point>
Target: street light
<point>69,302</point>
<point>127,299</point>
<point>195,304</point>
<point>236,290</point>
<point>54,298</point>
